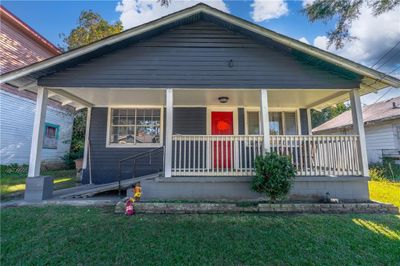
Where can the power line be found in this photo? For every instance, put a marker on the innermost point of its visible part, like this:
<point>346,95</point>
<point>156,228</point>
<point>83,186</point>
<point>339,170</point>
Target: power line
<point>389,51</point>
<point>384,63</point>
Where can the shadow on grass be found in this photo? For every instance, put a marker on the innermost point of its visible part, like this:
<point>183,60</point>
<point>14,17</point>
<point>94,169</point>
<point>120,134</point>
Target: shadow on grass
<point>59,235</point>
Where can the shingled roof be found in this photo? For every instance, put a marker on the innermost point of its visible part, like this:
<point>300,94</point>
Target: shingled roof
<point>373,113</point>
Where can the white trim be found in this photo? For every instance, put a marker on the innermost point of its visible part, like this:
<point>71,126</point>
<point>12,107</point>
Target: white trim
<point>232,109</point>
<point>272,110</point>
<point>298,124</point>
<point>287,41</point>
<point>38,133</point>
<point>309,121</point>
<point>87,130</point>
<point>139,145</point>
<point>251,109</point>
<point>358,129</point>
<point>264,117</point>
<point>169,106</point>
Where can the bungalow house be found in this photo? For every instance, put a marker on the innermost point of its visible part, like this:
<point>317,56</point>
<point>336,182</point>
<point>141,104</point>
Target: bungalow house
<point>195,96</point>
<point>382,129</point>
<point>20,46</point>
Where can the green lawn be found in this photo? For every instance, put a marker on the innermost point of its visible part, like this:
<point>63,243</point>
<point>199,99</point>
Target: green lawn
<point>12,186</point>
<point>96,236</point>
<point>388,192</point>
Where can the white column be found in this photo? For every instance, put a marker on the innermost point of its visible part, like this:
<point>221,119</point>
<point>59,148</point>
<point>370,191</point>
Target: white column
<point>264,119</point>
<point>299,125</point>
<point>309,121</point>
<point>169,104</point>
<point>358,129</point>
<point>86,149</point>
<point>38,133</point>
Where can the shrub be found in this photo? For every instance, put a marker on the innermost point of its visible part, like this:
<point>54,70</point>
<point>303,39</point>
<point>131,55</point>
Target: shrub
<point>69,158</point>
<point>376,173</point>
<point>388,170</point>
<point>274,175</point>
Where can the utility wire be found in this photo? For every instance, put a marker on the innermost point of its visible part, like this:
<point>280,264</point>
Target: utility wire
<point>388,52</point>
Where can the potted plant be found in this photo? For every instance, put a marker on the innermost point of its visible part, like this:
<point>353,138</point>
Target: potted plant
<point>274,175</point>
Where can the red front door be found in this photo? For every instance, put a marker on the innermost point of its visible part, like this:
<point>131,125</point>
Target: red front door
<point>222,124</point>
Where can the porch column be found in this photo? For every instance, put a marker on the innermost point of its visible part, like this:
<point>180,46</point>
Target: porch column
<point>309,121</point>
<point>358,129</point>
<point>169,104</point>
<point>264,119</point>
<point>86,148</point>
<point>38,133</point>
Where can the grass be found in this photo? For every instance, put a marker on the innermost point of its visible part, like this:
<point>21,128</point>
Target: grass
<point>96,236</point>
<point>12,186</point>
<point>387,192</point>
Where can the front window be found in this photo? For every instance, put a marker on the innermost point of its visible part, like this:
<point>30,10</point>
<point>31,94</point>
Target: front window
<point>280,123</point>
<point>135,126</point>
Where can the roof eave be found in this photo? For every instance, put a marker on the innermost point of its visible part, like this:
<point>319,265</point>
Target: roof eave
<point>300,46</point>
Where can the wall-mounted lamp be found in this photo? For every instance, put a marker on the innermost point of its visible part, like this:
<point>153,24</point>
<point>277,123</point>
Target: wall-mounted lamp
<point>230,64</point>
<point>223,99</point>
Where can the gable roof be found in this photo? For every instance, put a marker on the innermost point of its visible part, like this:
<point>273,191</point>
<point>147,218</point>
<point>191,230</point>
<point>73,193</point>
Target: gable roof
<point>374,79</point>
<point>7,15</point>
<point>373,113</point>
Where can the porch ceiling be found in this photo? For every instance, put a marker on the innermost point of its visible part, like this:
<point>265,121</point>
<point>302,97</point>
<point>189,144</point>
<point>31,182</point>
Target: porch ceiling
<point>279,98</point>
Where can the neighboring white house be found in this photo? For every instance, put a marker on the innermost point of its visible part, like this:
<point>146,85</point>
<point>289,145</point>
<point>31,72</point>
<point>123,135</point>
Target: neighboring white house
<point>382,128</point>
<point>20,45</point>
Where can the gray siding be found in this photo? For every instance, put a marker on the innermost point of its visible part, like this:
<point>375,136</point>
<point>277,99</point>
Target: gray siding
<point>197,56</point>
<point>304,122</point>
<point>190,121</point>
<point>241,125</point>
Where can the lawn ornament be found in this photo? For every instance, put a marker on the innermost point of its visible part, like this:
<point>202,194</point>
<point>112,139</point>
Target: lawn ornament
<point>129,209</point>
<point>137,192</point>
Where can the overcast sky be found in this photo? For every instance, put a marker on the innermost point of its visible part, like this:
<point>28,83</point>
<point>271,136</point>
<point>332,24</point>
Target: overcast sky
<point>374,35</point>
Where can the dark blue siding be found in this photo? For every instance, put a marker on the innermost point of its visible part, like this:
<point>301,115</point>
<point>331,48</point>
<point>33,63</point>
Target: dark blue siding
<point>304,122</point>
<point>197,56</point>
<point>105,160</point>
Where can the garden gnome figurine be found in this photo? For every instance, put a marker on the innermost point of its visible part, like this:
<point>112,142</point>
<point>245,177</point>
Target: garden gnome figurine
<point>137,192</point>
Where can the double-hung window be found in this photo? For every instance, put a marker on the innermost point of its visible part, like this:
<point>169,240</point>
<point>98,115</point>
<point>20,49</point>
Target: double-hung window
<point>135,127</point>
<point>280,123</point>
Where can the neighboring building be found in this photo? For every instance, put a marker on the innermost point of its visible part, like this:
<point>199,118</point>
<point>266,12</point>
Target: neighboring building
<point>382,128</point>
<point>196,95</point>
<point>20,46</point>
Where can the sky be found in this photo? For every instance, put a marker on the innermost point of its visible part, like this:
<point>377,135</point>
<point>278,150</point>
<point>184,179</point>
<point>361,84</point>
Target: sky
<point>374,35</point>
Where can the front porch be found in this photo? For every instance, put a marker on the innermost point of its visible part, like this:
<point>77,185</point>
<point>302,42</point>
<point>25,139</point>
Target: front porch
<point>234,155</point>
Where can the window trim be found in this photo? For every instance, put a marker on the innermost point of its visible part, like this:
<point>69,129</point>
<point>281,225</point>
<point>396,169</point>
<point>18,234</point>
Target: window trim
<point>136,145</point>
<point>280,110</point>
<point>57,127</point>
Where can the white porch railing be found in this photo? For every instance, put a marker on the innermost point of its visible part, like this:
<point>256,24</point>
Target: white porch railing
<point>320,155</point>
<point>234,155</point>
<point>215,155</point>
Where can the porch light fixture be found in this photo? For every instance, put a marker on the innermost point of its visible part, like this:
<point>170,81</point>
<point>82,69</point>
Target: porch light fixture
<point>223,99</point>
<point>230,64</point>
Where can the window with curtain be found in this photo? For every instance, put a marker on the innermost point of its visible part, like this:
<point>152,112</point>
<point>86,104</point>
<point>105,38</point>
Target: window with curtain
<point>253,123</point>
<point>290,123</point>
<point>275,123</point>
<point>135,126</point>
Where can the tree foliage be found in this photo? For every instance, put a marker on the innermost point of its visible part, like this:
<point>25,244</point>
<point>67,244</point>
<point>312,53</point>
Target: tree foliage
<point>320,117</point>
<point>346,11</point>
<point>91,27</point>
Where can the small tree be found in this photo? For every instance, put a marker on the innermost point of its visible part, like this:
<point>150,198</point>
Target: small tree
<point>274,175</point>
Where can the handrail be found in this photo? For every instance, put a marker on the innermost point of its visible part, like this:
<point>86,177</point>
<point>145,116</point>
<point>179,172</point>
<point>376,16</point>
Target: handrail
<point>140,154</point>
<point>134,158</point>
